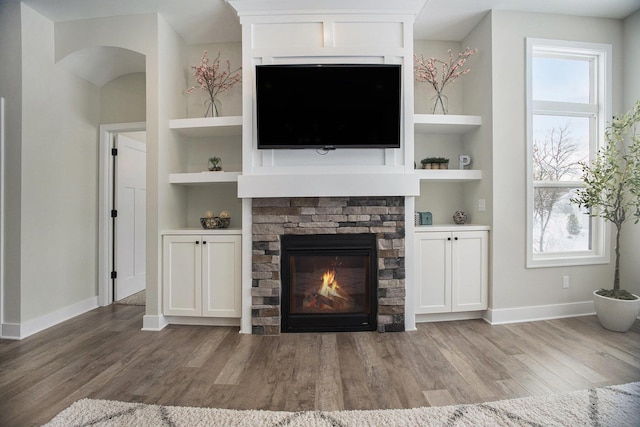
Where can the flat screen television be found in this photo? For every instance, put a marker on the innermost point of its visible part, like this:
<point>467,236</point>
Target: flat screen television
<point>328,106</point>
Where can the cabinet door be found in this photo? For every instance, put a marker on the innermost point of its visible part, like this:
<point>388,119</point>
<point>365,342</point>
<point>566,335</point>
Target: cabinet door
<point>469,275</point>
<point>181,277</point>
<point>221,284</point>
<point>433,264</point>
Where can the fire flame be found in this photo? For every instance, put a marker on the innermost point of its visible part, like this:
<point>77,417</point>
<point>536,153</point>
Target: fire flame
<point>329,285</point>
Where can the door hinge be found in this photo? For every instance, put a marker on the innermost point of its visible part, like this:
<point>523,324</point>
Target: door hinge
<point>114,151</point>
<point>114,274</point>
<point>114,213</point>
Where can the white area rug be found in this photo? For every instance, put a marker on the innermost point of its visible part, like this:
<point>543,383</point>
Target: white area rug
<point>608,406</point>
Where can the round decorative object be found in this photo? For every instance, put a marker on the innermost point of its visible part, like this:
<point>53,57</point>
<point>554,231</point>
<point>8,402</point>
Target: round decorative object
<point>209,214</point>
<point>225,214</point>
<point>459,217</point>
<point>215,222</point>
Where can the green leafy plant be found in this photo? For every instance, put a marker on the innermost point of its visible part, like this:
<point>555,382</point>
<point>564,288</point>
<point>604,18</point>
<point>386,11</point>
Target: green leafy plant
<point>612,183</point>
<point>214,163</point>
<point>434,160</point>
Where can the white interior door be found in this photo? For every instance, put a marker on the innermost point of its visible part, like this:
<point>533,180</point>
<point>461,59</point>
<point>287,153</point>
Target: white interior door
<point>129,233</point>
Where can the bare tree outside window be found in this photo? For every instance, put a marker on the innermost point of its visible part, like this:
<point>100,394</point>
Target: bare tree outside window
<point>555,158</point>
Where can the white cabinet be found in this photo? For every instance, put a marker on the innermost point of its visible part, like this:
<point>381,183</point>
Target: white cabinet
<point>201,275</point>
<point>452,270</point>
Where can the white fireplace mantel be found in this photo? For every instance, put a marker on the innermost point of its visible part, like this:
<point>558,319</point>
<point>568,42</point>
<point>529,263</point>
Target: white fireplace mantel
<point>327,185</point>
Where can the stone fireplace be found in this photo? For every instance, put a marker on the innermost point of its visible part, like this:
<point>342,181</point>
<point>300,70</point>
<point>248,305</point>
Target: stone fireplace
<point>274,218</point>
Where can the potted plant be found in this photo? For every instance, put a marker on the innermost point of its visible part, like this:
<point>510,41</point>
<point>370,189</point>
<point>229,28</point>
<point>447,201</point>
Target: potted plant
<point>435,163</point>
<point>612,191</point>
<point>214,164</point>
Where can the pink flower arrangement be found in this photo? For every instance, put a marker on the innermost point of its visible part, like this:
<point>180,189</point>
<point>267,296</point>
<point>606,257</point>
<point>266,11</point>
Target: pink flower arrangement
<point>427,71</point>
<point>214,80</point>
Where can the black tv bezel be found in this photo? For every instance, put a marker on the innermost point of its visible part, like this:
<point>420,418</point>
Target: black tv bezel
<point>398,141</point>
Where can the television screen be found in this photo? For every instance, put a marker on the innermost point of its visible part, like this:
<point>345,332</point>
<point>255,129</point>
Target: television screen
<point>328,106</point>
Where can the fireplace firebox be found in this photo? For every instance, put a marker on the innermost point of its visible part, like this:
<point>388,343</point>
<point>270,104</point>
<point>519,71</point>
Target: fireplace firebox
<point>329,283</point>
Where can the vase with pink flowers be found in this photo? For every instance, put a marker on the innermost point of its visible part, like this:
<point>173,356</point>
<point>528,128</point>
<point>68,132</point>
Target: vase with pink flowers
<point>214,79</point>
<point>439,74</point>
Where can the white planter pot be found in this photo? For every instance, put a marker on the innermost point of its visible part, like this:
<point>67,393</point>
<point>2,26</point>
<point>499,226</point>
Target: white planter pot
<point>615,314</point>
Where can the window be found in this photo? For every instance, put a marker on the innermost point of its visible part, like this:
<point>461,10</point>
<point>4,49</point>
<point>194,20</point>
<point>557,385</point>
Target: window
<point>568,99</point>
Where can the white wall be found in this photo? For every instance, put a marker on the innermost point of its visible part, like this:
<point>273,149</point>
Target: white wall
<point>513,284</point>
<point>10,90</point>
<point>60,113</point>
<point>169,210</point>
<point>123,99</point>
<point>478,96</point>
<point>139,33</point>
<point>630,268</point>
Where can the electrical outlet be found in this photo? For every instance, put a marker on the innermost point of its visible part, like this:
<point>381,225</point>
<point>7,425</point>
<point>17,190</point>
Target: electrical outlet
<point>565,282</point>
<point>482,205</point>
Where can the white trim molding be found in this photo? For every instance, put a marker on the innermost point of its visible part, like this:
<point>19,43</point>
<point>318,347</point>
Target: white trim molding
<point>154,323</point>
<point>105,192</point>
<point>597,110</point>
<point>540,312</point>
<point>18,331</point>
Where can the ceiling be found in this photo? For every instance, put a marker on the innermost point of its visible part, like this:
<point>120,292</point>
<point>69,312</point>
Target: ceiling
<point>209,21</point>
<point>215,21</point>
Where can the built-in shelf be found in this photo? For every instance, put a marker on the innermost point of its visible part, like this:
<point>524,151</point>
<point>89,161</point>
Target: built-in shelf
<point>208,126</point>
<point>451,227</point>
<point>201,231</point>
<point>445,123</point>
<point>203,177</point>
<point>449,175</point>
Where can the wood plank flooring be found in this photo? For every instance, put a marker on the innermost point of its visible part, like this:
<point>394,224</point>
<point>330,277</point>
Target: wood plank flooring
<point>104,355</point>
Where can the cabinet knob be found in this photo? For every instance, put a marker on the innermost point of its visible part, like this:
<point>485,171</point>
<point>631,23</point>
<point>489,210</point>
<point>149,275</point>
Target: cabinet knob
<point>455,238</point>
<point>204,242</point>
<point>197,242</point>
<point>448,238</point>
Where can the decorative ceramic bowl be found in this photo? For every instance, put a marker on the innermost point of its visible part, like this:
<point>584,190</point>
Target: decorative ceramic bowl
<point>215,222</point>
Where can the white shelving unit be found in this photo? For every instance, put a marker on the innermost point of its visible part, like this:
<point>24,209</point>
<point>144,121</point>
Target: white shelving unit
<point>449,175</point>
<point>445,124</point>
<point>196,178</point>
<point>208,126</point>
<point>449,124</point>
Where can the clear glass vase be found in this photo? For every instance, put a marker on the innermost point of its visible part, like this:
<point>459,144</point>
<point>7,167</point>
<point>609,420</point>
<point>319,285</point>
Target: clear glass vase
<point>214,108</point>
<point>440,104</point>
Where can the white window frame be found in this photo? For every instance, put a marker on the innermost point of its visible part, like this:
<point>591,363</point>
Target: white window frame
<point>600,107</point>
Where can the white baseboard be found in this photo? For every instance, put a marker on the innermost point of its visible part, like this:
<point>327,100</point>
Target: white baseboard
<point>540,312</point>
<point>18,331</point>
<point>10,331</point>
<point>447,317</point>
<point>203,321</point>
<point>154,323</point>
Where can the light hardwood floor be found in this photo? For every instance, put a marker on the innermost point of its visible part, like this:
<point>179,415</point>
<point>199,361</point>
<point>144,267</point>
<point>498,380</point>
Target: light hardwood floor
<point>104,355</point>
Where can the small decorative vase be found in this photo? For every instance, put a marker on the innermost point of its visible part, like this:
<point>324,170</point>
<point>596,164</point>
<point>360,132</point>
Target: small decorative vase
<point>440,103</point>
<point>459,217</point>
<point>214,107</point>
